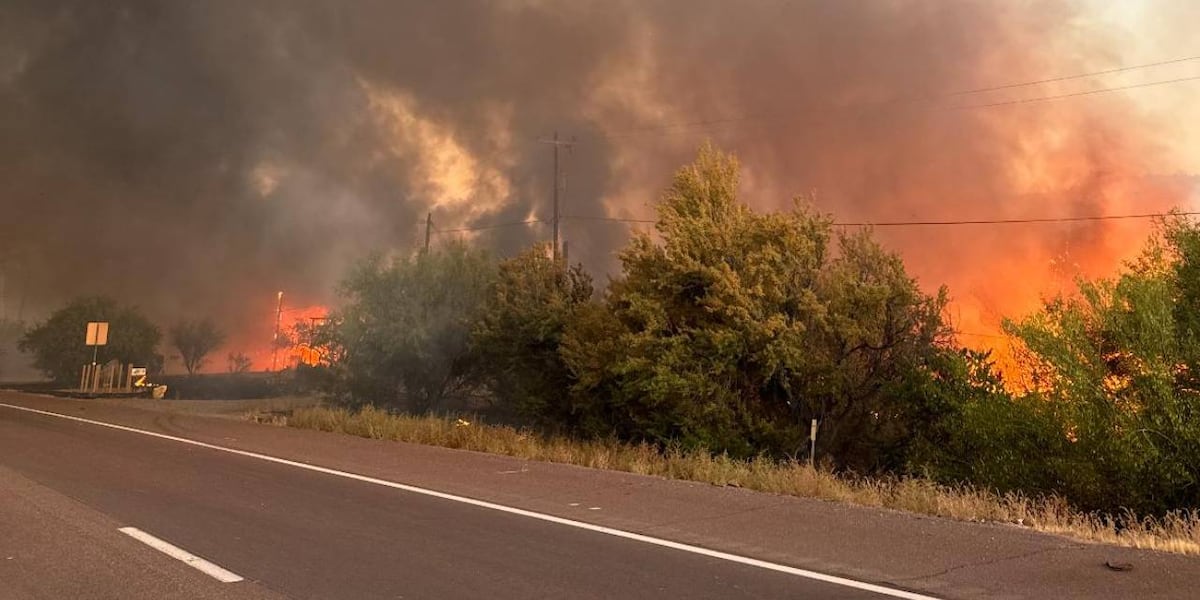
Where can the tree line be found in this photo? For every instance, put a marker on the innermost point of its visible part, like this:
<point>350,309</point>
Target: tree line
<point>57,348</point>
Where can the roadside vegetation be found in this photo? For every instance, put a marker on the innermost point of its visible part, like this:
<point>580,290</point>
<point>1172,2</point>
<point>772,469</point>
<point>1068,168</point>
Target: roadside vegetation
<point>725,334</point>
<point>1178,531</point>
<point>728,331</point>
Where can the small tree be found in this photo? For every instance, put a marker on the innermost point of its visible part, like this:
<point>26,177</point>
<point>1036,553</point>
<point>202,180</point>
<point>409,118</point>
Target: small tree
<point>195,340</point>
<point>57,344</point>
<point>238,362</point>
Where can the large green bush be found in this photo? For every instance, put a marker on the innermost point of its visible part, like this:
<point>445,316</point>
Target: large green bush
<point>731,329</point>
<point>518,333</point>
<point>402,338</point>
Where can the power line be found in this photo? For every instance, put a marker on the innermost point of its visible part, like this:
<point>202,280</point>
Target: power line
<point>492,226</point>
<point>611,219</point>
<point>687,126</point>
<point>947,222</point>
<point>1010,86</point>
<point>1075,94</point>
<point>1016,221</point>
<point>702,125</point>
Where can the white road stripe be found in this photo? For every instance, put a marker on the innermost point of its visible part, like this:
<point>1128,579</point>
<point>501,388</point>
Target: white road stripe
<point>180,554</point>
<point>734,558</point>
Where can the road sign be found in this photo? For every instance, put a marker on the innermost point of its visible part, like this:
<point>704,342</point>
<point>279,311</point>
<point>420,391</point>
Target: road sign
<point>137,371</point>
<point>97,333</point>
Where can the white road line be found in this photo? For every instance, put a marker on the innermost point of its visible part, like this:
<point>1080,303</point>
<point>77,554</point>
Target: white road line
<point>734,558</point>
<point>183,555</point>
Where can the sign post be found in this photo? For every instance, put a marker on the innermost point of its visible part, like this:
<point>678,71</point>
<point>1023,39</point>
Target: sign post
<point>96,336</point>
<point>137,376</point>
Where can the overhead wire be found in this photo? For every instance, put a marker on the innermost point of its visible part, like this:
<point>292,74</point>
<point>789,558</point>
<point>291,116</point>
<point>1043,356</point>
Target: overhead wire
<point>1010,86</point>
<point>707,124</point>
<point>491,226</point>
<point>1075,94</point>
<point>944,222</point>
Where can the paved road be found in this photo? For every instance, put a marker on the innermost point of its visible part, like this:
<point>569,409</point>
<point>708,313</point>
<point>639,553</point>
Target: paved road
<point>294,532</point>
<point>53,547</point>
<point>304,534</point>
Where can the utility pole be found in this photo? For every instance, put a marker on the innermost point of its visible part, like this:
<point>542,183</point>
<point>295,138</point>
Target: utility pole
<point>428,229</point>
<point>557,184</point>
<point>275,338</point>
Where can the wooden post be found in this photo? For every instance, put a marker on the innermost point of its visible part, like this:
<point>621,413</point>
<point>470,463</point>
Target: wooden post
<point>812,452</point>
<point>83,378</point>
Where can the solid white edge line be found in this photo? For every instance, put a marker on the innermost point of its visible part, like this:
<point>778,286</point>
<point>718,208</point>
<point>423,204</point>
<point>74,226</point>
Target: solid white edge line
<point>734,558</point>
<point>180,554</point>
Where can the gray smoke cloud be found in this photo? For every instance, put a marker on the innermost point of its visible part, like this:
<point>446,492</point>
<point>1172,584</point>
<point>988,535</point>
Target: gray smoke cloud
<point>195,157</point>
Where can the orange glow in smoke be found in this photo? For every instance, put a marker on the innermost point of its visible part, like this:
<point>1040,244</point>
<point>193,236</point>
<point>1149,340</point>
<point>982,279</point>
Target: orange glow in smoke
<point>256,340</point>
<point>1010,284</point>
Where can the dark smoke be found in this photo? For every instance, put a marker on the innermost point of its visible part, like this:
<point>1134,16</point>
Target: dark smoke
<point>194,157</point>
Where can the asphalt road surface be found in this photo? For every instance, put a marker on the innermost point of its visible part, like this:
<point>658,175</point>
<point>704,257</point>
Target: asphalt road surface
<point>307,534</point>
<point>141,499</point>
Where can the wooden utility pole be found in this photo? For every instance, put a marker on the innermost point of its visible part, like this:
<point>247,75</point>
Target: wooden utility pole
<point>428,229</point>
<point>557,185</point>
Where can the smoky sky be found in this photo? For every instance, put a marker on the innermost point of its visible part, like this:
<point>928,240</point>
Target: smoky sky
<point>195,157</point>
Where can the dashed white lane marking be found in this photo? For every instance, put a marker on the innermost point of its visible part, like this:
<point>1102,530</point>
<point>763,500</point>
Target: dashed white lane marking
<point>629,535</point>
<point>180,554</point>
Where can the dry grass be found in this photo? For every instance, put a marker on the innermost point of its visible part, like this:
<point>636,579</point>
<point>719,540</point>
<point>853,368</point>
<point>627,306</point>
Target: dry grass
<point>1176,532</point>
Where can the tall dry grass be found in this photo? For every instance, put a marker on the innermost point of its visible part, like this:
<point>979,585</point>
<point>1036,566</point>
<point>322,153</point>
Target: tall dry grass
<point>1177,532</point>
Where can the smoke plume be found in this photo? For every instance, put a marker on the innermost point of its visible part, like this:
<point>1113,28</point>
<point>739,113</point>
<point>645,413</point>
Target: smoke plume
<point>196,157</point>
